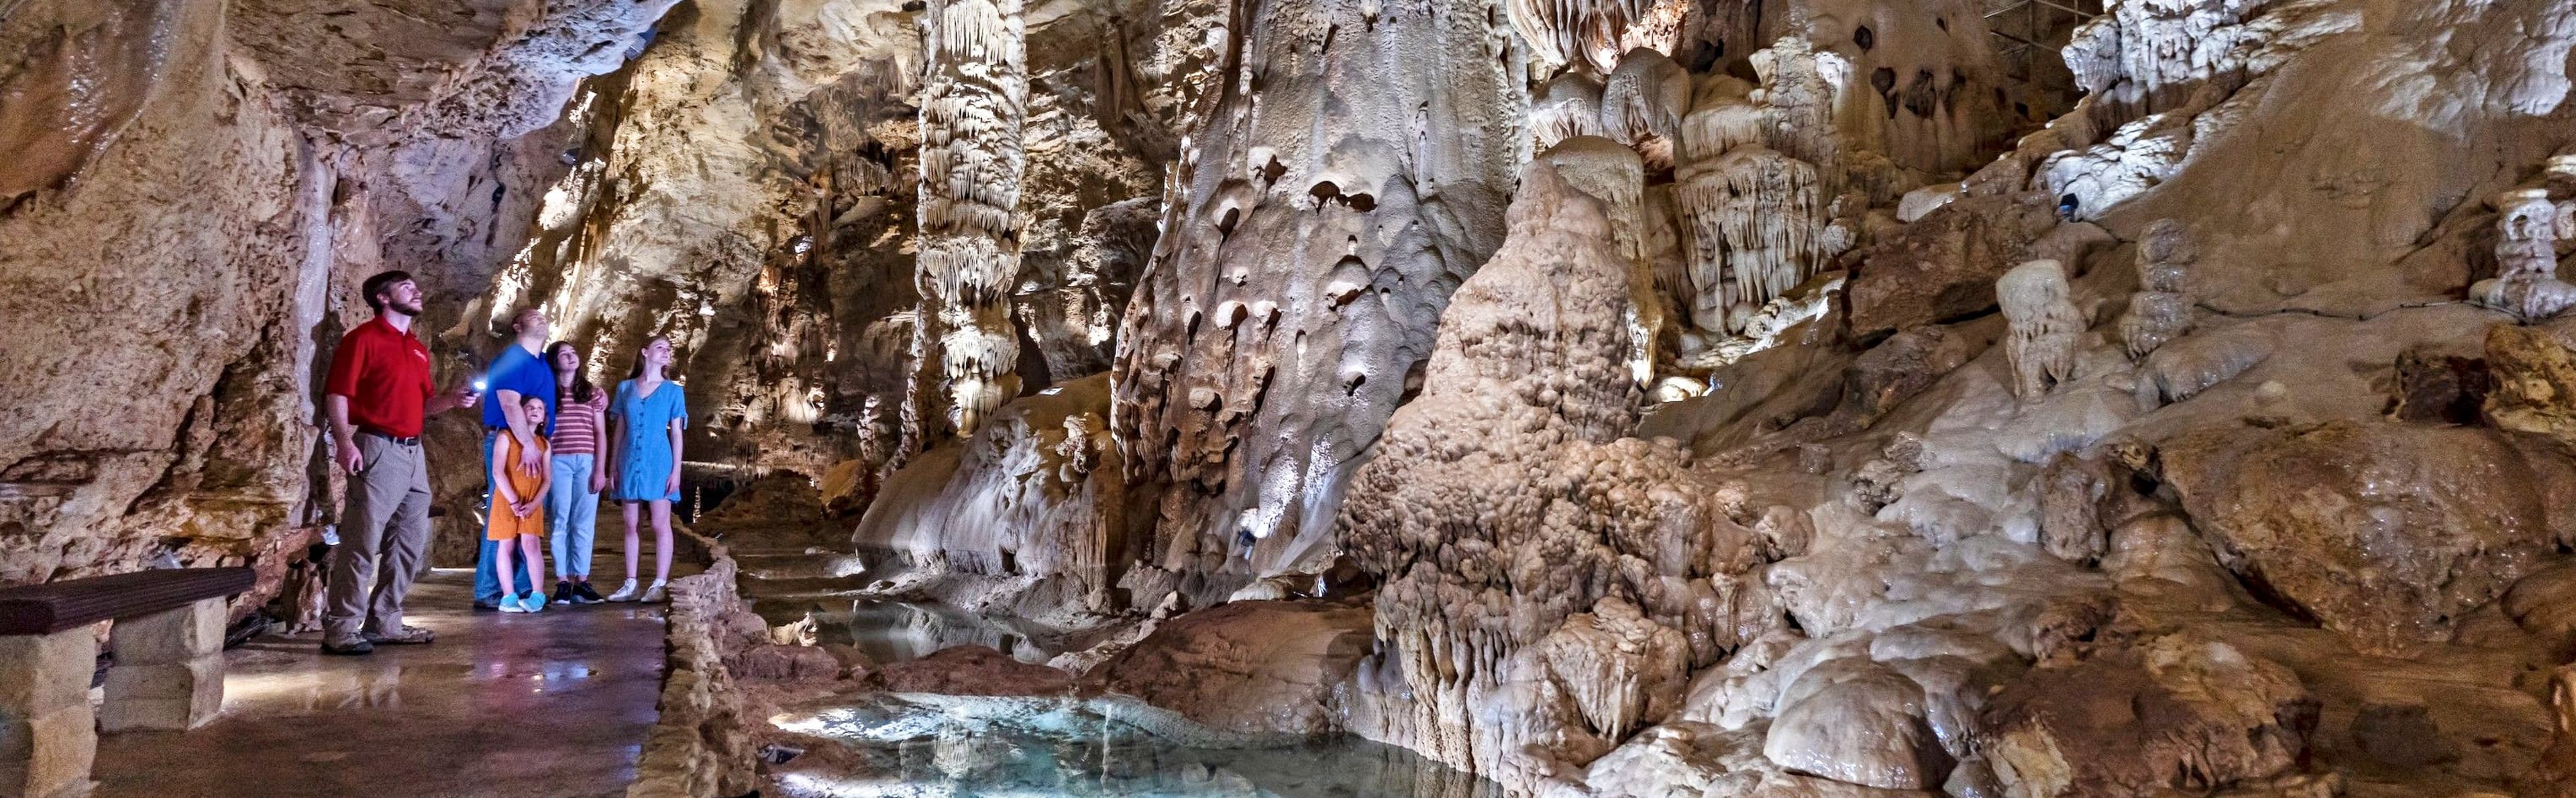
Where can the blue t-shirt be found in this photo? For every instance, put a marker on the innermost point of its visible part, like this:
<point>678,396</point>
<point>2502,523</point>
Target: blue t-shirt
<point>516,370</point>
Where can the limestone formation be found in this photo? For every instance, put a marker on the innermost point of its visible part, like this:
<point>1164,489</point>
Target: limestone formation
<point>1599,650</point>
<point>2161,309</point>
<point>2526,252</point>
<point>1246,667</point>
<point>1597,398</point>
<point>2219,715</point>
<point>2044,327</point>
<point>1312,234</point>
<point>1036,499</point>
<point>972,106</point>
<point>2389,534</point>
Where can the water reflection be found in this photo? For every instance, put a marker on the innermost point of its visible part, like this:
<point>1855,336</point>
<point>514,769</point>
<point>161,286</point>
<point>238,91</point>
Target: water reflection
<point>959,746</point>
<point>895,631</point>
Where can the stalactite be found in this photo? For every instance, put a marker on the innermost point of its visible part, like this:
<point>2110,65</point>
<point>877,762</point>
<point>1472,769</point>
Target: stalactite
<point>972,106</point>
<point>1754,216</point>
<point>1570,106</point>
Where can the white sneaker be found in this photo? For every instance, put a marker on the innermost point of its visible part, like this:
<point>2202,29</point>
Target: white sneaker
<point>657,593</point>
<point>510,603</point>
<point>625,592</point>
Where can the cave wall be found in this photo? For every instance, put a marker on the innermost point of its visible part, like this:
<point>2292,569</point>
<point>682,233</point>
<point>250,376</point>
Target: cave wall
<point>214,180</point>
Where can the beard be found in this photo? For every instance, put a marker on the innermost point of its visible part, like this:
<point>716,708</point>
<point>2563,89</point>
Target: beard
<point>410,309</point>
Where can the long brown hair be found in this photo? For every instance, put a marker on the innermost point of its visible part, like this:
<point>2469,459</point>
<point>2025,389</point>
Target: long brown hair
<point>638,371</point>
<point>582,390</point>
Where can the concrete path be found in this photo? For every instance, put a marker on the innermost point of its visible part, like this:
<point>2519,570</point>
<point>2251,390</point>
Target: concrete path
<point>550,704</point>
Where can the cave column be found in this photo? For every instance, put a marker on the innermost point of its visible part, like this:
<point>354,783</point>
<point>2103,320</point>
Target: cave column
<point>973,101</point>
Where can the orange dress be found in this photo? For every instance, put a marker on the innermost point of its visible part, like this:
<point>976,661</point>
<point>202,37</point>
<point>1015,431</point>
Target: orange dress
<point>505,526</point>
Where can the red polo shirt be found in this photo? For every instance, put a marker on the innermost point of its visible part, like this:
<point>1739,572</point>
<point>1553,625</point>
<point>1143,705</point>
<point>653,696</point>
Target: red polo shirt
<point>385,374</point>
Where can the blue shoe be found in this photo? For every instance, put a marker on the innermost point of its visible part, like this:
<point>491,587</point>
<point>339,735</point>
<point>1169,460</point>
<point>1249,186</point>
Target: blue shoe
<point>510,603</point>
<point>533,602</point>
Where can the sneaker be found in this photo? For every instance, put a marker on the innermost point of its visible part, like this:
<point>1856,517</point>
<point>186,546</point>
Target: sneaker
<point>624,592</point>
<point>349,649</point>
<point>563,592</point>
<point>485,606</point>
<point>533,601</point>
<point>510,603</point>
<point>656,594</point>
<point>582,594</point>
<point>409,636</point>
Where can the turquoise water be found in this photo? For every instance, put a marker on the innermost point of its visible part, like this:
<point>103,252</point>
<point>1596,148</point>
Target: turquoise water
<point>935,746</point>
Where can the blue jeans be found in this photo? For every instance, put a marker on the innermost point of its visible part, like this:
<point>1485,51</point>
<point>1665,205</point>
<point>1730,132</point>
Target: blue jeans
<point>572,515</point>
<point>487,586</point>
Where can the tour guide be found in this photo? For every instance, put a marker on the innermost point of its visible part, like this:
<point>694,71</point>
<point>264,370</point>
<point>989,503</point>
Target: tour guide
<point>377,395</point>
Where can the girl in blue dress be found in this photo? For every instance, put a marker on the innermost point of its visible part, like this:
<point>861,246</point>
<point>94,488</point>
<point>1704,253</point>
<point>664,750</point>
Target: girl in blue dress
<point>645,422</point>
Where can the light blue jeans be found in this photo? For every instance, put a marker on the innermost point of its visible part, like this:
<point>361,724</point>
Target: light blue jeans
<point>572,515</point>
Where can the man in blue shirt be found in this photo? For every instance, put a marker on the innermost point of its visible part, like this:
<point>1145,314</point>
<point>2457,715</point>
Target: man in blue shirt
<point>519,372</point>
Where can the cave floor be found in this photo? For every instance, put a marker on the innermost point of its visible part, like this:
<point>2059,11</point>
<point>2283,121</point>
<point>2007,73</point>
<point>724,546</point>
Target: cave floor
<point>551,704</point>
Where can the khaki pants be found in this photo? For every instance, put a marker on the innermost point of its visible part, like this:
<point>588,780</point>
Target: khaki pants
<point>383,534</point>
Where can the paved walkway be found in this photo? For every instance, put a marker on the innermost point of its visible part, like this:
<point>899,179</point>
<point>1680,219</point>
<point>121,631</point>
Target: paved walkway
<point>551,704</point>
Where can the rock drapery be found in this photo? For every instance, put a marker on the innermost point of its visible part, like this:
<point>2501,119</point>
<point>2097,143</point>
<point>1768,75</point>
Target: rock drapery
<point>1351,171</point>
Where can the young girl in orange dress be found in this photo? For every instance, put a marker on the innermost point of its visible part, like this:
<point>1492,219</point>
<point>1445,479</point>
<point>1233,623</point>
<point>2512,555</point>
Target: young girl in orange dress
<point>519,515</point>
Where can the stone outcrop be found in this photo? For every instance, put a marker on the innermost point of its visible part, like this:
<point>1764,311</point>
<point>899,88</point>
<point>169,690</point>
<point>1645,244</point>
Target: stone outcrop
<point>2388,534</point>
<point>1944,267</point>
<point>1262,669</point>
<point>2173,713</point>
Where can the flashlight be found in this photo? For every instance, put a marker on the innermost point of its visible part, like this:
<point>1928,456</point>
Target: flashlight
<point>479,387</point>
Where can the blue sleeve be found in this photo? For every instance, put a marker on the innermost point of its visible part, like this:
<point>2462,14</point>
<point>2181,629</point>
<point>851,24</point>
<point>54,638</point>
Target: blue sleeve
<point>679,405</point>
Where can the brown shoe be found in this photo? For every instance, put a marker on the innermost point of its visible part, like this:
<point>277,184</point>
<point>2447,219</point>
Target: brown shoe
<point>409,636</point>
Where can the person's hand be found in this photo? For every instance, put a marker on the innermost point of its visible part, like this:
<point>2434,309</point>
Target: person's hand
<point>672,485</point>
<point>348,456</point>
<point>531,462</point>
<point>524,508</point>
<point>598,481</point>
<point>467,397</point>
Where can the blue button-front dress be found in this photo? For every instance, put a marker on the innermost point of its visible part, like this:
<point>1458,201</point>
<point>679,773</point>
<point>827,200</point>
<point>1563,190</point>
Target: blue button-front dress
<point>645,465</point>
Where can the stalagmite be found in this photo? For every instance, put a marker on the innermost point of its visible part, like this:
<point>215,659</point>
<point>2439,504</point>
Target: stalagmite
<point>972,106</point>
<point>1505,510</point>
<point>1614,174</point>
<point>2161,309</point>
<point>2045,326</point>
<point>2526,252</point>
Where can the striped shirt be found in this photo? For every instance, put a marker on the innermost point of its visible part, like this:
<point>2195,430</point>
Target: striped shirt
<point>577,424</point>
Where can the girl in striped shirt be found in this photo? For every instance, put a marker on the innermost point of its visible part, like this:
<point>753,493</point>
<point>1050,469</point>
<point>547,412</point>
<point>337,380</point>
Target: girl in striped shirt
<point>573,504</point>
